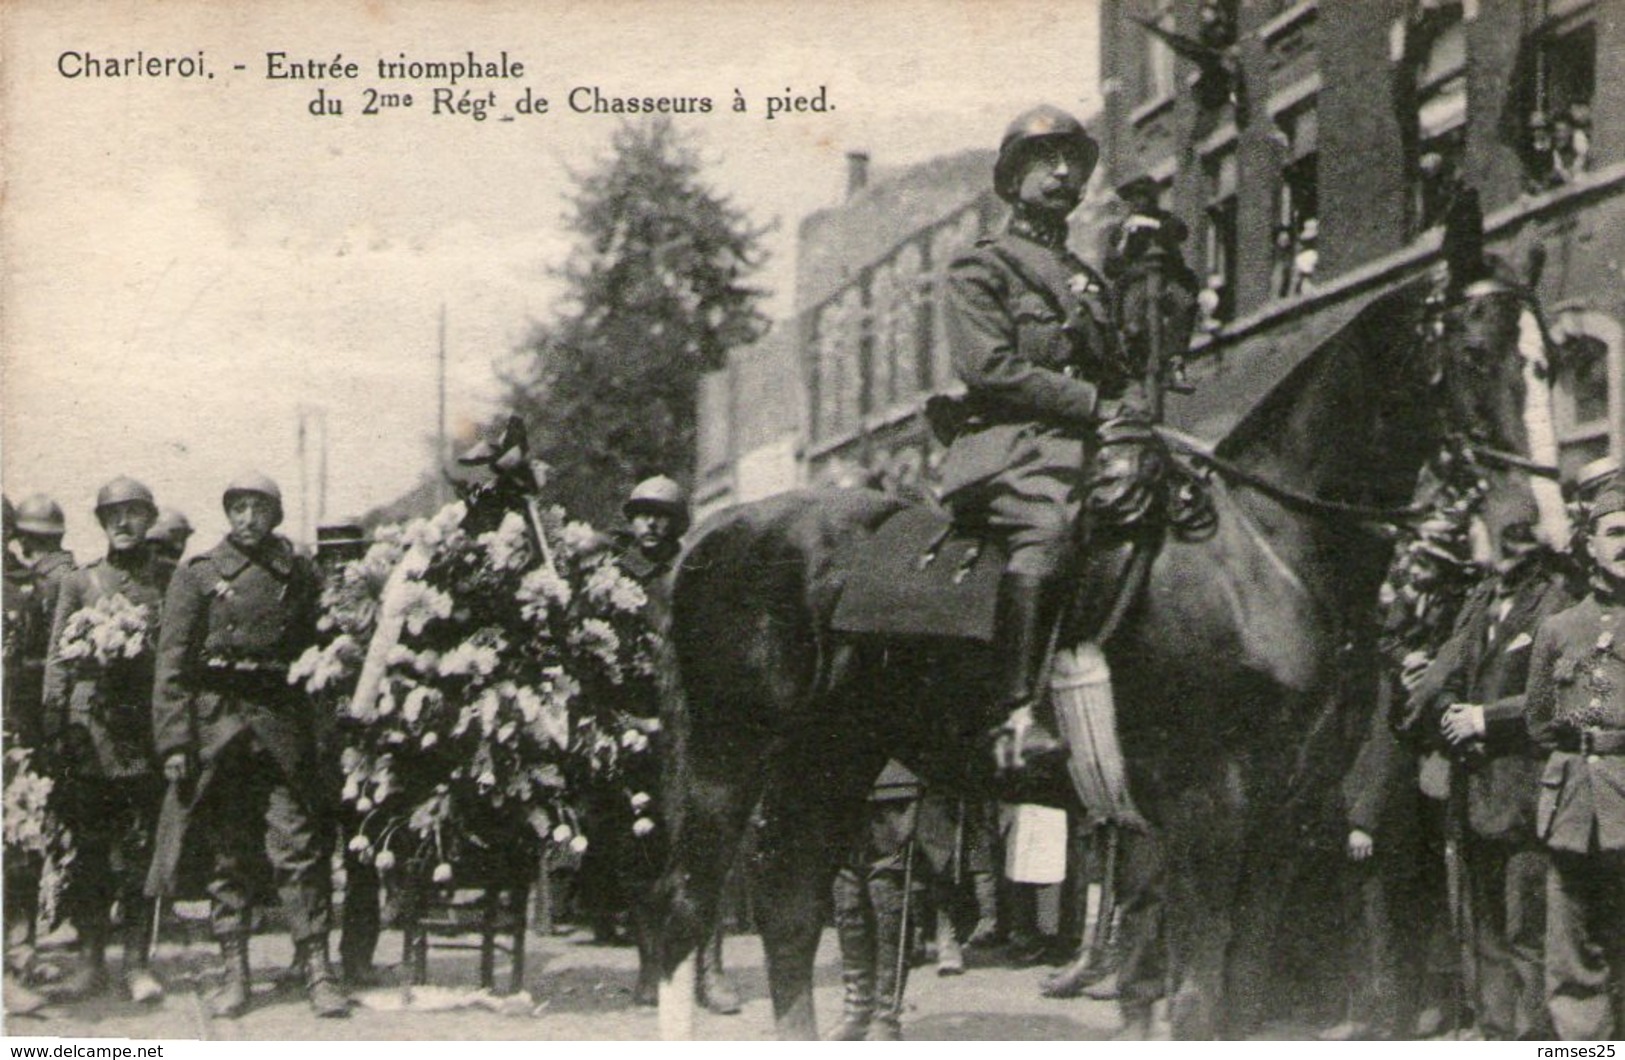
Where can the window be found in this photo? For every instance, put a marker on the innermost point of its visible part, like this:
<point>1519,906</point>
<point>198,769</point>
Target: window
<point>1436,52</point>
<point>1297,217</point>
<point>1589,350</point>
<point>1549,108</point>
<point>837,342</point>
<point>1218,300</point>
<point>1159,58</point>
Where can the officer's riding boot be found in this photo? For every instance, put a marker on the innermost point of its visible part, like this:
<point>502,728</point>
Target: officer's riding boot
<point>1026,619</point>
<point>716,992</point>
<point>986,932</point>
<point>857,938</point>
<point>142,985</point>
<point>230,999</point>
<point>321,986</point>
<point>891,964</point>
<point>91,976</point>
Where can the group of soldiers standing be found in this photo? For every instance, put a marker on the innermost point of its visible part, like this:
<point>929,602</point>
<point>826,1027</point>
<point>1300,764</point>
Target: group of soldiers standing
<point>187,744</point>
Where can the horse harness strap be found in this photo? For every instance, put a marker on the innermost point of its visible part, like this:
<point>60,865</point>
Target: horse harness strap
<point>1203,454</point>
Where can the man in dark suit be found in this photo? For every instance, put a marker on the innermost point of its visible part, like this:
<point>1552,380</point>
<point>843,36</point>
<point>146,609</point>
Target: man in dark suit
<point>226,718</point>
<point>1480,703</point>
<point>1576,711</point>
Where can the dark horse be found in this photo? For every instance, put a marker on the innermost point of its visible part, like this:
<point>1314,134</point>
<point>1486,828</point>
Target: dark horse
<point>1221,672</point>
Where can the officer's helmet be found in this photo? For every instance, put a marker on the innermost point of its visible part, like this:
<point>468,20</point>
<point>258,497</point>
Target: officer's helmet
<point>662,495</point>
<point>125,490</point>
<point>1043,122</point>
<point>39,514</point>
<point>254,482</point>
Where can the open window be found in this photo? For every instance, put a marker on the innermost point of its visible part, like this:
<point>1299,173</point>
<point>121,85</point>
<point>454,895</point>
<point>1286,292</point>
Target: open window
<point>1218,298</point>
<point>1590,355</point>
<point>1297,218</point>
<point>1437,55</point>
<point>1548,116</point>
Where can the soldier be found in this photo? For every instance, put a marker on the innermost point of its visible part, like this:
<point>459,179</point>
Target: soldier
<point>40,527</point>
<point>227,719</point>
<point>657,516</point>
<point>1480,704</point>
<point>22,871</point>
<point>871,909</point>
<point>1031,335</point>
<point>168,538</point>
<point>98,717</point>
<point>1576,710</point>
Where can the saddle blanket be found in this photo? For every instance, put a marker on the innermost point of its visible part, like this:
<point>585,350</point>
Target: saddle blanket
<point>919,575</point>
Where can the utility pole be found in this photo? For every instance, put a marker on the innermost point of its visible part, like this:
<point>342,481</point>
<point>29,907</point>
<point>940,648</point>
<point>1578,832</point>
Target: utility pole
<point>440,422</point>
<point>304,477</point>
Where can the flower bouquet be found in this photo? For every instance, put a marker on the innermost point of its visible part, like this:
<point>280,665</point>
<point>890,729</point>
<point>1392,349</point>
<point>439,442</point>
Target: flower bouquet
<point>510,682</point>
<point>108,632</point>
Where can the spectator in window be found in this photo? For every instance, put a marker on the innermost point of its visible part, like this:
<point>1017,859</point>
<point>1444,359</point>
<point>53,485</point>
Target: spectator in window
<point>1307,257</point>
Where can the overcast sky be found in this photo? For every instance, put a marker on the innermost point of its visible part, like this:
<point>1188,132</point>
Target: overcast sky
<point>189,262</point>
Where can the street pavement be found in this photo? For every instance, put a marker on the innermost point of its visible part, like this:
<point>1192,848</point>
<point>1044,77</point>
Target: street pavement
<point>574,989</point>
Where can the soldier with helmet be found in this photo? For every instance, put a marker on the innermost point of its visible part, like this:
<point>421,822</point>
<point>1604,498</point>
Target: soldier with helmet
<point>40,526</point>
<point>238,742</point>
<point>98,717</point>
<point>168,538</point>
<point>1031,333</point>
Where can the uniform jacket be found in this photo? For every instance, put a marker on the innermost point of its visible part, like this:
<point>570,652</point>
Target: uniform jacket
<point>232,625</point>
<point>1577,682</point>
<point>30,604</point>
<point>106,716</point>
<point>1494,672</point>
<point>1030,335</point>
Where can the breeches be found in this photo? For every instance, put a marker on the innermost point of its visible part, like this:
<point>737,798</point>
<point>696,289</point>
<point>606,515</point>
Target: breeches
<point>1036,503</point>
<point>1585,945</point>
<point>112,819</point>
<point>252,811</point>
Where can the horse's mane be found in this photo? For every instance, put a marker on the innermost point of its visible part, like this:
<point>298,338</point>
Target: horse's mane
<point>1376,330</point>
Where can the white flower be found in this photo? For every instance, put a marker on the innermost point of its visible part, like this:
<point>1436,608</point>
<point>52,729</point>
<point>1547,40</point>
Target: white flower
<point>562,833</point>
<point>471,658</point>
<point>421,604</point>
<point>642,826</point>
<point>416,700</point>
<point>599,638</point>
<point>579,844</point>
<point>359,843</point>
<point>430,738</point>
<point>384,861</point>
<point>540,590</point>
<point>442,873</point>
<point>578,537</point>
<point>607,583</point>
<point>508,546</point>
<point>633,740</point>
<point>640,800</point>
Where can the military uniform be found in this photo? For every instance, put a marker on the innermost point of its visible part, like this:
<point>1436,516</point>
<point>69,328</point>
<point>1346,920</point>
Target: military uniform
<point>1030,336</point>
<point>233,623</point>
<point>1576,710</point>
<point>1486,662</point>
<point>101,724</point>
<point>870,910</point>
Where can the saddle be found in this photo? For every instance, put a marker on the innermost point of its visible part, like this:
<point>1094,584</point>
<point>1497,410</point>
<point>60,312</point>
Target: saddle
<point>923,575</point>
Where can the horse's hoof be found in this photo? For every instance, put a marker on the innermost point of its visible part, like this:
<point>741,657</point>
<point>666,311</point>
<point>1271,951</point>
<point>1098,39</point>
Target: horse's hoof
<point>646,995</point>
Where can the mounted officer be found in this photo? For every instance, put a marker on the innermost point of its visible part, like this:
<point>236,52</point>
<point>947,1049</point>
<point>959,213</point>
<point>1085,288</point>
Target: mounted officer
<point>99,719</point>
<point>229,725</point>
<point>1031,333</point>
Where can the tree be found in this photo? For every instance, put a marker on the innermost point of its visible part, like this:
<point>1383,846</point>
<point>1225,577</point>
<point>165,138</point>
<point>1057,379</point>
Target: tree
<point>656,294</point>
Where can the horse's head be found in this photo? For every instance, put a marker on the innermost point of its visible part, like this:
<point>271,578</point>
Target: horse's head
<point>1495,371</point>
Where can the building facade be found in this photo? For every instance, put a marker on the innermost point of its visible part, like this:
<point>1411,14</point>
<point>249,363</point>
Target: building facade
<point>1312,147</point>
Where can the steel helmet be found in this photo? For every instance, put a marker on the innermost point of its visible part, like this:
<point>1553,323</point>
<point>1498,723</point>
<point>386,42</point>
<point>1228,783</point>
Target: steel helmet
<point>659,494</point>
<point>254,482</point>
<point>1043,122</point>
<point>125,490</point>
<point>39,514</point>
<point>170,522</point>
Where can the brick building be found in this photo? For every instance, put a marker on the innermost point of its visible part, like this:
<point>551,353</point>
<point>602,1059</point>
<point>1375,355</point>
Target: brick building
<point>1318,181</point>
